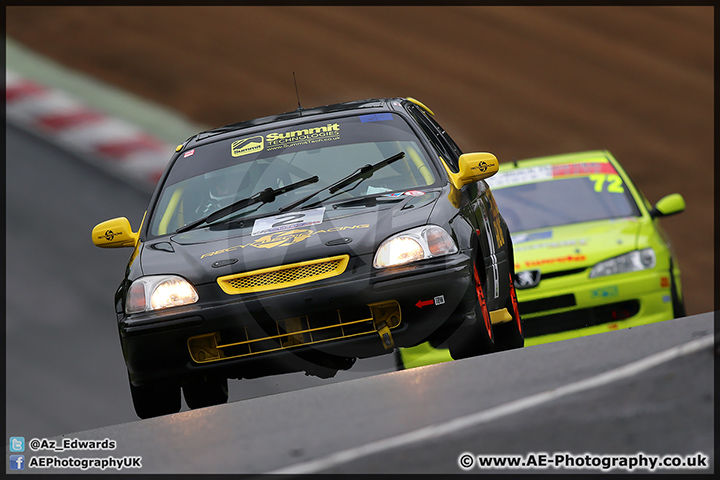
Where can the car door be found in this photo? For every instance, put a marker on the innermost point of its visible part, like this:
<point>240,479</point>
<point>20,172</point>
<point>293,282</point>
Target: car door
<point>482,212</point>
<point>497,262</point>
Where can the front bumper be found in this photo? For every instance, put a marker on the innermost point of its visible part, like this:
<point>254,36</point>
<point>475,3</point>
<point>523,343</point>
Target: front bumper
<point>295,329</point>
<point>576,305</point>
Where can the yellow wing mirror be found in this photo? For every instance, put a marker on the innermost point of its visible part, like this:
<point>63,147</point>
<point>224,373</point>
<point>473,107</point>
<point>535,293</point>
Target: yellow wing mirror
<point>473,168</point>
<point>115,233</point>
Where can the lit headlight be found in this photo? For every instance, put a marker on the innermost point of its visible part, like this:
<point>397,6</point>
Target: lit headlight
<point>156,292</point>
<point>630,262</point>
<point>413,245</point>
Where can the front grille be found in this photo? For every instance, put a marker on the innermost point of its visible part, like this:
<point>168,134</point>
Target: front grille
<point>549,303</point>
<point>562,273</point>
<point>585,317</point>
<point>283,276</point>
<point>294,332</point>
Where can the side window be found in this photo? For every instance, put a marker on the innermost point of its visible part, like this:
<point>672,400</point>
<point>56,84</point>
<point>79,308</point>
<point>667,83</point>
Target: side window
<point>435,135</point>
<point>444,136</point>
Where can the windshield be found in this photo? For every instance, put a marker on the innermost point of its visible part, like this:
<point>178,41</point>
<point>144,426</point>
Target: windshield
<point>216,175</point>
<point>551,195</point>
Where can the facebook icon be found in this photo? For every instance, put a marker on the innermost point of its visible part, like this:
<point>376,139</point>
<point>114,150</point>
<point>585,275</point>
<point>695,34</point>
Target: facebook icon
<point>17,462</point>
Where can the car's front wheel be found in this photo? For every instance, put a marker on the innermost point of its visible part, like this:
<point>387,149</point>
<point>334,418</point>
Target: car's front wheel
<point>155,400</point>
<point>481,338</point>
<point>677,303</point>
<point>205,391</point>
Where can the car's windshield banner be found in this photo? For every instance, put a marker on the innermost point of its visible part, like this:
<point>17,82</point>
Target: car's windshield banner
<point>541,173</point>
<point>373,128</point>
<point>279,140</point>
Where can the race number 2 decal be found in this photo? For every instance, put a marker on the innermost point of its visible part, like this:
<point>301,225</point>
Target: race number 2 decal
<point>287,221</point>
<point>290,219</point>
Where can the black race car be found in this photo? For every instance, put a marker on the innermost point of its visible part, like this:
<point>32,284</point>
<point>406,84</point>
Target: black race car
<point>306,240</point>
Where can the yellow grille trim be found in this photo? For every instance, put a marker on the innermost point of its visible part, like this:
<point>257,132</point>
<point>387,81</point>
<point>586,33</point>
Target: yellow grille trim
<point>283,276</point>
<point>208,347</point>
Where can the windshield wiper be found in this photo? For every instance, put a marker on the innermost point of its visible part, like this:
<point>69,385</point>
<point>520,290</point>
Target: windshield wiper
<point>265,196</point>
<point>361,173</point>
<point>368,201</point>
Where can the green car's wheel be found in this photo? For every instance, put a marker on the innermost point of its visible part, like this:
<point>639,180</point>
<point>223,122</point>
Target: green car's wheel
<point>204,392</point>
<point>155,400</point>
<point>677,302</point>
<point>481,339</point>
<point>509,335</point>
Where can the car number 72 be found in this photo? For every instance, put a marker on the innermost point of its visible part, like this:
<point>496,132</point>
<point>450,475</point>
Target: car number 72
<point>613,181</point>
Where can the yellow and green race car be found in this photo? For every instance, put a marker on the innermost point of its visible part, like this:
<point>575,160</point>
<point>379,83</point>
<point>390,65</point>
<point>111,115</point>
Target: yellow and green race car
<point>589,252</point>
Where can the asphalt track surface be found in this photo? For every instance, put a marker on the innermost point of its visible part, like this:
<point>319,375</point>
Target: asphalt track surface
<point>55,199</point>
<point>66,379</point>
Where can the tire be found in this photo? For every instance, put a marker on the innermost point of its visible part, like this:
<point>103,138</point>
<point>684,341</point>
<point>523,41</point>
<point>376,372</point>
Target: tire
<point>677,303</point>
<point>397,357</point>
<point>155,400</point>
<point>509,335</point>
<point>481,338</point>
<point>205,392</point>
